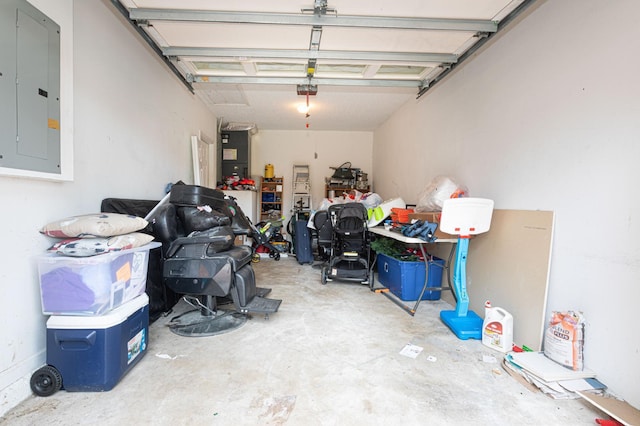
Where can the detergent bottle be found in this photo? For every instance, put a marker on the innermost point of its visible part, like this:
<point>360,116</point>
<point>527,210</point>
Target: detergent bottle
<point>497,328</point>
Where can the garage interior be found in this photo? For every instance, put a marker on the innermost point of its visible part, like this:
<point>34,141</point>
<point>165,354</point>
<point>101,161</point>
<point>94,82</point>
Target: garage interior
<point>511,98</point>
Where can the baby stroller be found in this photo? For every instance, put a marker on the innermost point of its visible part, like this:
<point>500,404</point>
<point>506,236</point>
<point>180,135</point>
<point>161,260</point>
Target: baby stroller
<point>265,235</point>
<point>350,244</point>
<point>269,239</point>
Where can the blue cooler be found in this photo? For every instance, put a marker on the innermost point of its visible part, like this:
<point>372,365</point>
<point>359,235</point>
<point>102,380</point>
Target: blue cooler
<point>92,353</point>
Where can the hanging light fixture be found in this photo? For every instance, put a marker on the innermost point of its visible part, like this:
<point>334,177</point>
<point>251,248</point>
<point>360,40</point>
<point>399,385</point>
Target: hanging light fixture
<point>306,90</point>
<point>320,8</point>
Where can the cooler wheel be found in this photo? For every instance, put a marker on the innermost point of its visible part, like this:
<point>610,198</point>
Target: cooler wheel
<point>46,381</point>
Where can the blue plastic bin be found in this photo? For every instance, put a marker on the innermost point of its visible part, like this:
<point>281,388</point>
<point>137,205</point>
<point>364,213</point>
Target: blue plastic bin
<point>406,279</point>
<point>268,197</point>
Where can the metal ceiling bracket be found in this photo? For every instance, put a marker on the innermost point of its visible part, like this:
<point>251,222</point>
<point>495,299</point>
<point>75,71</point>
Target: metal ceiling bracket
<point>307,54</point>
<point>126,14</point>
<point>320,8</point>
<point>311,68</point>
<point>307,89</point>
<point>316,35</point>
<point>483,37</point>
<point>371,82</point>
<point>436,24</point>
<point>314,46</point>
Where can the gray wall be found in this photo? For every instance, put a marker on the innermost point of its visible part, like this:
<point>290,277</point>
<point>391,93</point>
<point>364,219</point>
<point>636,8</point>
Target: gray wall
<point>548,117</point>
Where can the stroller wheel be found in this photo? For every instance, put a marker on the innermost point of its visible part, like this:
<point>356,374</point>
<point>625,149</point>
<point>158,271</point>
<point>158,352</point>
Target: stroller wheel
<point>323,275</point>
<point>276,257</point>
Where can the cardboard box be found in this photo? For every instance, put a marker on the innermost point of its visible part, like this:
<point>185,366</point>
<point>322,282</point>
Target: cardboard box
<point>432,217</point>
<point>92,285</point>
<point>242,240</point>
<point>93,353</point>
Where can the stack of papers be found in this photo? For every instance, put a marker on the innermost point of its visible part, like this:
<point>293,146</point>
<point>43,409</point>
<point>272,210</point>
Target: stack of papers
<point>550,377</point>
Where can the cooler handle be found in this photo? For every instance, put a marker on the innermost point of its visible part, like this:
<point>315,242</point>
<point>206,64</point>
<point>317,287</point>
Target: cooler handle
<point>69,340</point>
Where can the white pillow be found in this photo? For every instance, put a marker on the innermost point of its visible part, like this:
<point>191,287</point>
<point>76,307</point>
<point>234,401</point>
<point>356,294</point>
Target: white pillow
<point>94,225</point>
<point>83,247</point>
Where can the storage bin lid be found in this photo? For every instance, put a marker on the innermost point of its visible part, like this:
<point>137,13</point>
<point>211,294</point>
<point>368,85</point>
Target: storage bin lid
<point>53,258</point>
<point>114,317</point>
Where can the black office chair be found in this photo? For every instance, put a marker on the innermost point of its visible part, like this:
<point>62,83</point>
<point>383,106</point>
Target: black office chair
<point>202,263</point>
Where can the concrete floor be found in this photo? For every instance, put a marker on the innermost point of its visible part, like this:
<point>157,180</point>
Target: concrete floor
<point>329,356</point>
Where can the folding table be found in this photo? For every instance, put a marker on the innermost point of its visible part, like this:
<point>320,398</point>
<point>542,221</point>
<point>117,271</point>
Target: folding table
<point>380,230</point>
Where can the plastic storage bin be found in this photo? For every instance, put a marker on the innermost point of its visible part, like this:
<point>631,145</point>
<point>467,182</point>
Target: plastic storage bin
<point>268,197</point>
<point>406,279</point>
<point>92,285</point>
<point>94,353</point>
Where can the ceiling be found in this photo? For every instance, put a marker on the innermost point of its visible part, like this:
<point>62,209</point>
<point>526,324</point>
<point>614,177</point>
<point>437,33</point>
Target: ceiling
<point>255,61</point>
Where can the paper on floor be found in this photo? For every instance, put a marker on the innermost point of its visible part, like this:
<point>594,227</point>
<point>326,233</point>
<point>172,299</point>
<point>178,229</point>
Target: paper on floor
<point>412,351</point>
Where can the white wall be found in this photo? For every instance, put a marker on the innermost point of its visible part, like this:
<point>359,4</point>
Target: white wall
<point>547,117</point>
<point>318,149</point>
<point>131,136</point>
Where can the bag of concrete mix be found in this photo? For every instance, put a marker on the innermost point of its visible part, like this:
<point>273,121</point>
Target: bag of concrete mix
<point>564,339</point>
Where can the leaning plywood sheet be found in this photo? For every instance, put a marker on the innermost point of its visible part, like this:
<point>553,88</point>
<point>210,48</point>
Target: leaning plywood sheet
<point>509,265</point>
<point>619,410</point>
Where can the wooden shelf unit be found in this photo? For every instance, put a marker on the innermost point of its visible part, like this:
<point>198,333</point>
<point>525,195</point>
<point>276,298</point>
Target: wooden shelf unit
<point>270,196</point>
<point>339,190</point>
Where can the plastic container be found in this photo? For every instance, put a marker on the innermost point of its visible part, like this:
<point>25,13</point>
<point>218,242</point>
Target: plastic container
<point>268,197</point>
<point>497,328</point>
<point>406,279</point>
<point>399,215</point>
<point>92,285</point>
<point>268,171</point>
<point>94,353</point>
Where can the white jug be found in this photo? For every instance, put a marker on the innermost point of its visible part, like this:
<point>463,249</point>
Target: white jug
<point>497,328</point>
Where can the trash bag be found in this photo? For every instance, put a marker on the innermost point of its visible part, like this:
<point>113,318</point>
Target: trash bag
<point>439,189</point>
<point>371,200</point>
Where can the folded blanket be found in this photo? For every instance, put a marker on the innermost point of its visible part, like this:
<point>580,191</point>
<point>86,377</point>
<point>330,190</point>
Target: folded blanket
<point>64,291</point>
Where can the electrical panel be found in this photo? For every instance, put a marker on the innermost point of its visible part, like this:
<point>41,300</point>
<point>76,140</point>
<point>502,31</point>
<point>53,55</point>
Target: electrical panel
<point>29,88</point>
